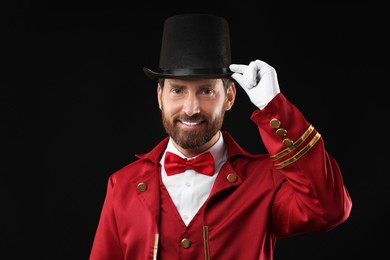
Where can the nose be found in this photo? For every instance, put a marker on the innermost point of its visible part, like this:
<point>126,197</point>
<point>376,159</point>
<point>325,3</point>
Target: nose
<point>191,105</point>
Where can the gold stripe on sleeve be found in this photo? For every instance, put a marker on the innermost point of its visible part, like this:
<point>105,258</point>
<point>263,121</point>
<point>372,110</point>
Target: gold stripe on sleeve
<point>295,145</point>
<point>300,153</point>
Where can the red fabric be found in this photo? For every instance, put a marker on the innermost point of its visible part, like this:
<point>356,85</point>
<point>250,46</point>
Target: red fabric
<point>203,163</point>
<point>172,230</point>
<point>244,217</point>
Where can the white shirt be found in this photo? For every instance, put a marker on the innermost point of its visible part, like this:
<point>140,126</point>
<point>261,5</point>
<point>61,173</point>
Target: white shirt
<point>189,190</point>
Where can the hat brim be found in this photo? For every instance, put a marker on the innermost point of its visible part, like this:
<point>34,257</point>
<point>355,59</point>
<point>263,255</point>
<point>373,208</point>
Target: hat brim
<point>188,74</point>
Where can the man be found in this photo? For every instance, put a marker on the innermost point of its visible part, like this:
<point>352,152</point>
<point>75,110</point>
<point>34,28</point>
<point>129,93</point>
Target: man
<point>198,194</point>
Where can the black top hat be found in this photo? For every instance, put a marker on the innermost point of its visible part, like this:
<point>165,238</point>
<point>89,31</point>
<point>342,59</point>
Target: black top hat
<point>194,46</point>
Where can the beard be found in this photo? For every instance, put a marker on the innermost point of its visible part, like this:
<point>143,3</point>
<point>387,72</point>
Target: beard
<point>193,139</point>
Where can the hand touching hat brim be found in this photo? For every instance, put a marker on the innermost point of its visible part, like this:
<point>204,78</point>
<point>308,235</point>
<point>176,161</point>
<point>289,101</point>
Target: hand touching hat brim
<point>258,79</point>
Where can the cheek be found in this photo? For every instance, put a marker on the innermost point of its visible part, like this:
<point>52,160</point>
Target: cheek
<point>170,108</point>
<point>215,110</point>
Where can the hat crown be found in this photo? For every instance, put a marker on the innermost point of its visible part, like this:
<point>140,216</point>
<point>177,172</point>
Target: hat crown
<point>194,46</point>
<point>195,41</point>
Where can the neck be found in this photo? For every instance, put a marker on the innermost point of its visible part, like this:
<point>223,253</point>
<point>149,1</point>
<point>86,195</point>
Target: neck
<point>194,152</point>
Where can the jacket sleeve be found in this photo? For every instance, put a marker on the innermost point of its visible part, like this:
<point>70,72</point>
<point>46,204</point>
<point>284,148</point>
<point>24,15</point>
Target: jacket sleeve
<point>106,244</point>
<point>313,197</point>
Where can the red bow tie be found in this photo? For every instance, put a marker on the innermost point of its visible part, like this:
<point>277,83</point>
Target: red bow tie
<point>174,164</point>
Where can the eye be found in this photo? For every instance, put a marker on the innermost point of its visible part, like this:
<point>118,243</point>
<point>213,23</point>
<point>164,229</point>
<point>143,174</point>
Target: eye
<point>207,91</point>
<point>177,91</point>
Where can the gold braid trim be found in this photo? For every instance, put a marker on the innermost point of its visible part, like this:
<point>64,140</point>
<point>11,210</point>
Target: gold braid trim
<point>295,145</point>
<point>206,242</point>
<point>300,153</point>
<point>155,247</point>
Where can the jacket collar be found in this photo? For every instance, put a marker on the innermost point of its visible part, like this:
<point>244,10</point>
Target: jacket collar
<point>234,149</point>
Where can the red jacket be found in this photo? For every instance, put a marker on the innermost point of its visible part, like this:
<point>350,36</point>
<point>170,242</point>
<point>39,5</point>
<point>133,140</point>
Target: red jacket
<point>256,198</point>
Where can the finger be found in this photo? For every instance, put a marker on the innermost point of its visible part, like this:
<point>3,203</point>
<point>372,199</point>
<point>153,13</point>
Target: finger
<point>260,64</point>
<point>250,74</point>
<point>262,67</point>
<point>237,77</point>
<point>238,68</point>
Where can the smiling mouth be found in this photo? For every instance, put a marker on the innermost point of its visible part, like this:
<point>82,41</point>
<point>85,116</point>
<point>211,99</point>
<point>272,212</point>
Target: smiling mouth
<point>191,123</point>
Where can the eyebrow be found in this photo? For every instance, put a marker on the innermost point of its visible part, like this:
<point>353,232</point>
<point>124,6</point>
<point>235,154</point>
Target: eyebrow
<point>177,85</point>
<point>206,85</point>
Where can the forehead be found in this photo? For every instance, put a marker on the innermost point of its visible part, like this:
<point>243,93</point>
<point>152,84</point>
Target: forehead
<point>193,82</point>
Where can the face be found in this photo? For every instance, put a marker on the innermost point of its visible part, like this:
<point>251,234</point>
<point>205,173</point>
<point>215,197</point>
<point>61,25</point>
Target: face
<point>193,110</point>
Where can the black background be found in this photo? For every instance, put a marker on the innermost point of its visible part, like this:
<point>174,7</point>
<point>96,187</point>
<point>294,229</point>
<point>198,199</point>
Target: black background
<point>76,106</point>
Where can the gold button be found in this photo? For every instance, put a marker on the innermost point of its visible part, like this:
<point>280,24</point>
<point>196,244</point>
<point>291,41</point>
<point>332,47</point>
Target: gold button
<point>141,186</point>
<point>231,177</point>
<point>287,142</point>
<point>274,123</point>
<point>185,243</point>
<point>281,132</point>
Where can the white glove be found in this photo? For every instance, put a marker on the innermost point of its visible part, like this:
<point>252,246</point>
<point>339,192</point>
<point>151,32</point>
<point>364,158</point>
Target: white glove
<point>258,79</point>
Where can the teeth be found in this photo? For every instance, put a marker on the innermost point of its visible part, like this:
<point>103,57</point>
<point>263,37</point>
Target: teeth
<point>190,123</point>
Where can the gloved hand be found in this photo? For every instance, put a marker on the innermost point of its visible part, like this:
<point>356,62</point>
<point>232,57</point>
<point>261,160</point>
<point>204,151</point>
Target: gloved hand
<point>258,79</point>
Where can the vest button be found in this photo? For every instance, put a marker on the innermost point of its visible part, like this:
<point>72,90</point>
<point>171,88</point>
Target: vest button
<point>231,177</point>
<point>185,243</point>
<point>142,187</point>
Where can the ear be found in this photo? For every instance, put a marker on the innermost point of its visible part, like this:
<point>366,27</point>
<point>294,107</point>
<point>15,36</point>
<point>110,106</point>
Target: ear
<point>159,95</point>
<point>230,96</point>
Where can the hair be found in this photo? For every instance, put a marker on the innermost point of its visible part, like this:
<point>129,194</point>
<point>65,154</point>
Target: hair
<point>227,82</point>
